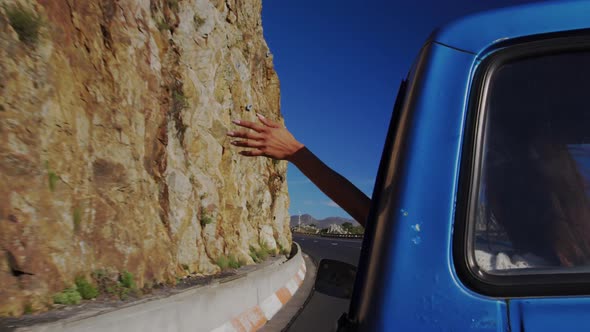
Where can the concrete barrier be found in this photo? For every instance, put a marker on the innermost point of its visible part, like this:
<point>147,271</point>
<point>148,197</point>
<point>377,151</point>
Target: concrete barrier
<point>242,304</point>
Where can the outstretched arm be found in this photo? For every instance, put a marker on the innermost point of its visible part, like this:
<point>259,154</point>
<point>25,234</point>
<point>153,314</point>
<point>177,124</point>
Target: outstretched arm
<point>334,185</point>
<point>271,140</point>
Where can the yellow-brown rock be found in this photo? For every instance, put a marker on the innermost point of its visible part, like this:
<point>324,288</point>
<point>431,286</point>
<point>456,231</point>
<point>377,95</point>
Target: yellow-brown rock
<point>113,153</point>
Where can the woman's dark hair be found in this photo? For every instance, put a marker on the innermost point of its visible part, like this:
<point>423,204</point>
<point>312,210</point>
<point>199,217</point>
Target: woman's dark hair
<point>538,196</point>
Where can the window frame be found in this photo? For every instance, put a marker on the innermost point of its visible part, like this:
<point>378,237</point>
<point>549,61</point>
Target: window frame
<point>509,285</point>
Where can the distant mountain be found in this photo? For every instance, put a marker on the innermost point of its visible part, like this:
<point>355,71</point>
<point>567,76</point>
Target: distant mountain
<point>307,219</point>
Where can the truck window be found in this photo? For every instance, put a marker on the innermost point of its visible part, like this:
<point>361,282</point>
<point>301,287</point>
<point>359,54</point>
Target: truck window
<point>532,206</point>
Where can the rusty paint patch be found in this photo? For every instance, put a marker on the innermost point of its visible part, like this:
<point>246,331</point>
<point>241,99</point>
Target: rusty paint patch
<point>284,295</point>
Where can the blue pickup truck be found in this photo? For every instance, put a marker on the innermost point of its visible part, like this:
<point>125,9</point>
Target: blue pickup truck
<point>481,216</point>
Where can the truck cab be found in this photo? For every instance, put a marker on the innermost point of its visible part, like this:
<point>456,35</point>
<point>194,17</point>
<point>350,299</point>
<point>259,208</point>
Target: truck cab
<point>481,217</point>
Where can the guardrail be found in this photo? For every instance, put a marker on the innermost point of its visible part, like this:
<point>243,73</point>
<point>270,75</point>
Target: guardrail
<point>349,236</point>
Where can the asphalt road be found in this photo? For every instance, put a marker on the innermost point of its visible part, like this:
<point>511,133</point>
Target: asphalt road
<point>322,311</point>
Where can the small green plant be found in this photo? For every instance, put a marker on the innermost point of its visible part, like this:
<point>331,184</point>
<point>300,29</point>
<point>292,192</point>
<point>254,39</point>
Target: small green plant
<point>120,288</point>
<point>86,290</point>
<point>173,4</point>
<point>179,101</point>
<point>111,290</point>
<point>52,177</point>
<point>261,254</point>
<point>28,309</point>
<point>68,296</point>
<point>230,261</point>
<point>124,293</point>
<point>77,218</point>
<point>105,284</point>
<point>233,262</point>
<point>127,280</point>
<point>206,219</point>
<point>253,255</point>
<point>99,274</point>
<point>163,25</point>
<point>222,262</point>
<point>25,23</point>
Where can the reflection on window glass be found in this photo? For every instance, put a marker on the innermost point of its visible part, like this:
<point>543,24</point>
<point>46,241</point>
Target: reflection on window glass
<point>533,204</point>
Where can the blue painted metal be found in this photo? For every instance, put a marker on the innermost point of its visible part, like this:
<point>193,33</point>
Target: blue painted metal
<point>479,31</point>
<point>419,290</point>
<point>550,314</point>
<point>414,285</point>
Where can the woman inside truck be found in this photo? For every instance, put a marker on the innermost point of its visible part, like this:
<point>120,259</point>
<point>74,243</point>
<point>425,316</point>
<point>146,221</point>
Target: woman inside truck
<point>535,159</point>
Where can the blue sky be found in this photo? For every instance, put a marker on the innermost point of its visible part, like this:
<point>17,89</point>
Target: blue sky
<point>340,63</point>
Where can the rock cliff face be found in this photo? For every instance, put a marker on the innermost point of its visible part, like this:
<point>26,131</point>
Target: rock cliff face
<point>113,154</point>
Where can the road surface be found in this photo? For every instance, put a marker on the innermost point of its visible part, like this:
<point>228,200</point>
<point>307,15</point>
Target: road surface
<point>322,311</point>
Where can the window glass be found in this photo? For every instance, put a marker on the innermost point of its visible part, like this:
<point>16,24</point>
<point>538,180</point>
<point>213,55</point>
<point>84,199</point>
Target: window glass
<point>533,213</point>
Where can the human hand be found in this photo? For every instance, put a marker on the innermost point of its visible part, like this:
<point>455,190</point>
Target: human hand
<point>268,139</point>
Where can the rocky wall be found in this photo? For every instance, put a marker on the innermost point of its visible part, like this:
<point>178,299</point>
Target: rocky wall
<point>113,153</point>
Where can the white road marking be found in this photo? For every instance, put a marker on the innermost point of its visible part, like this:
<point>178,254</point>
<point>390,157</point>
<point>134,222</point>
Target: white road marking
<point>354,247</point>
<point>271,306</point>
<point>334,243</point>
<point>292,286</point>
<point>301,274</point>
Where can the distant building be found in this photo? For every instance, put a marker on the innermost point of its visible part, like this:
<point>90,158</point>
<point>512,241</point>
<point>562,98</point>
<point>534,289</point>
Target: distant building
<point>336,229</point>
